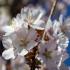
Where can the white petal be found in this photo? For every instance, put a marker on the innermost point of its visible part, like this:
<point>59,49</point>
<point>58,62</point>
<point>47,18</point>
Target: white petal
<point>8,30</point>
<point>57,41</point>
<point>31,45</point>
<point>39,17</point>
<point>67,42</point>
<point>17,23</point>
<point>40,25</point>
<point>36,27</point>
<point>63,45</point>
<point>7,43</point>
<point>8,54</point>
<point>19,60</point>
<point>32,35</point>
<point>43,41</point>
<point>56,26</point>
<point>22,33</point>
<point>23,52</point>
<point>61,19</point>
<point>59,50</point>
<point>60,62</point>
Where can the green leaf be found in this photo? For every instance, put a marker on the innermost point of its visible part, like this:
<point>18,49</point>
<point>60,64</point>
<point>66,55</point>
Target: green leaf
<point>38,62</point>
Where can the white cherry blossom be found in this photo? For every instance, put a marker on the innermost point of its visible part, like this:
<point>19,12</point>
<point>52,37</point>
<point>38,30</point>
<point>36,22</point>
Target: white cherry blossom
<point>33,16</point>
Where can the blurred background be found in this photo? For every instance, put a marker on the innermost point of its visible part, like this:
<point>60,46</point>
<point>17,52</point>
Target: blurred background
<point>12,7</point>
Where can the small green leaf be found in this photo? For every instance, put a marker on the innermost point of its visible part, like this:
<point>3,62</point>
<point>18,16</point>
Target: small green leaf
<point>38,62</point>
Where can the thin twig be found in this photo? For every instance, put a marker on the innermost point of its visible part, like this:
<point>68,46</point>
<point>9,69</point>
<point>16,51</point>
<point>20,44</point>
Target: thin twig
<point>52,10</point>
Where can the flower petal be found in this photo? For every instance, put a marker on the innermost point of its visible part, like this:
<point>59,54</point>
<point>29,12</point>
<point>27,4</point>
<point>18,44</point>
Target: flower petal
<point>8,30</point>
<point>31,45</point>
<point>32,35</point>
<point>8,54</point>
<point>7,43</point>
<point>23,52</point>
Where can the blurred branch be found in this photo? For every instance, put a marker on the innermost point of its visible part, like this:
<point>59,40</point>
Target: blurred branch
<point>31,60</point>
